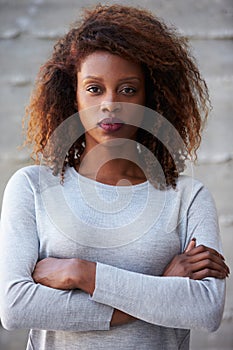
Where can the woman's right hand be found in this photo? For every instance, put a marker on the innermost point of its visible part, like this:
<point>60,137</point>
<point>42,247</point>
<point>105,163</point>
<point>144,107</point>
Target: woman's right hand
<point>197,263</point>
<point>119,318</point>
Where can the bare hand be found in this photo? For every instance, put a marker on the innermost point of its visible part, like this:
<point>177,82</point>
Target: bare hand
<point>55,273</point>
<point>197,263</point>
<point>70,274</point>
<point>66,274</point>
<point>120,317</point>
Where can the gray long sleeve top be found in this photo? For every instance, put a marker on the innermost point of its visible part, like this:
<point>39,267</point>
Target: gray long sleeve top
<point>132,232</point>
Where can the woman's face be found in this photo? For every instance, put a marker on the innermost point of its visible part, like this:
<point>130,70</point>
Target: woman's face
<point>109,92</point>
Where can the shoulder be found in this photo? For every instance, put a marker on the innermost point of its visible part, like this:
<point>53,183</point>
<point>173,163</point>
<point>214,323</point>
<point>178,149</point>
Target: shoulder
<point>185,181</point>
<point>20,188</point>
<point>195,192</point>
<point>28,177</point>
<point>27,173</point>
<point>191,185</point>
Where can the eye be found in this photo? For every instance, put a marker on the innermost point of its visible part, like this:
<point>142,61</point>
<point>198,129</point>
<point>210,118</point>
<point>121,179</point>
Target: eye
<point>128,90</point>
<point>95,90</point>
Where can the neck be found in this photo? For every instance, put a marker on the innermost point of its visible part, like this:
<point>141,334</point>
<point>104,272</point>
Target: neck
<point>111,163</point>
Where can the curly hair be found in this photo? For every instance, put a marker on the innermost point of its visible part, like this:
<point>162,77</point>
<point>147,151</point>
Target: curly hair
<point>174,86</point>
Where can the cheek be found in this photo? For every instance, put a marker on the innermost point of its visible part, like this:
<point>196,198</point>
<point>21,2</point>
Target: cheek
<point>143,98</point>
<point>88,115</point>
<point>80,100</point>
<point>134,113</point>
<point>84,120</point>
<point>84,101</point>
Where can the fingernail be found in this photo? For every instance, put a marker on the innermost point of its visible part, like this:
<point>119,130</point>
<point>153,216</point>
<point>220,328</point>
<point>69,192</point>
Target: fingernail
<point>194,239</point>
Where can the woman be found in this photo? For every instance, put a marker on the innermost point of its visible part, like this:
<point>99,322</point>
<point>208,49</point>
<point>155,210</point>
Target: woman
<point>106,245</point>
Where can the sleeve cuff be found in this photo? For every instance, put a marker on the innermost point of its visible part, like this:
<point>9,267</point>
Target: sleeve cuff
<point>103,282</point>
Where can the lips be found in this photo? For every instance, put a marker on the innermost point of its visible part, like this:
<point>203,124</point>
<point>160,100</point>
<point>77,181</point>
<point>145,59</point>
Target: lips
<point>111,124</point>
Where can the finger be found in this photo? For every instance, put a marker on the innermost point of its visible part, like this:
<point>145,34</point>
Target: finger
<point>191,245</point>
<point>208,264</point>
<point>199,275</point>
<point>202,248</point>
<point>207,256</point>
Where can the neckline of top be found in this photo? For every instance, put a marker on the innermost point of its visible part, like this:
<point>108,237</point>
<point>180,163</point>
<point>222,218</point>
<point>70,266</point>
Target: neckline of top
<point>77,175</point>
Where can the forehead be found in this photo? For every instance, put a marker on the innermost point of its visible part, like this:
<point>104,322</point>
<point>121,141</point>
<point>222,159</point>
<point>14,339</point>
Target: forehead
<point>105,63</point>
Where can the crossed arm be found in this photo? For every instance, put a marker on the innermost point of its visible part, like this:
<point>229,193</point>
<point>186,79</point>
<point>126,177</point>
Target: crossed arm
<point>45,305</point>
<point>196,263</point>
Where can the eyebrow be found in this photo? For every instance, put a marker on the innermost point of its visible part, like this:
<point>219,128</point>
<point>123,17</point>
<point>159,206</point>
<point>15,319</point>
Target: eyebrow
<point>101,79</point>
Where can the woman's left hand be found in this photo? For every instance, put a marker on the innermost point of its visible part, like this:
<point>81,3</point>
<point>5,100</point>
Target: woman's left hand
<point>197,263</point>
<point>66,274</point>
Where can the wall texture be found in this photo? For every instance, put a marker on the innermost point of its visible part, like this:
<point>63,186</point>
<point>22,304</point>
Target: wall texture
<point>28,30</point>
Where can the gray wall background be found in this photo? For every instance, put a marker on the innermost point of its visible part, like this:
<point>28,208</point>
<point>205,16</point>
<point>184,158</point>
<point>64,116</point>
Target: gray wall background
<point>28,30</point>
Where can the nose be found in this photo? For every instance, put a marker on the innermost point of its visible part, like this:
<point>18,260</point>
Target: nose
<point>111,106</point>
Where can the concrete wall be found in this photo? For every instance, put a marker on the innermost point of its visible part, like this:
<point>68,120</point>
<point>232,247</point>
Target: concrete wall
<point>28,30</point>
